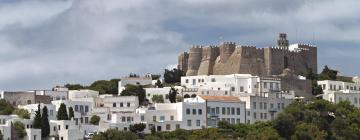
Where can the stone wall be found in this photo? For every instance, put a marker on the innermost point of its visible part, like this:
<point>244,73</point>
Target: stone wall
<point>19,98</point>
<point>230,59</point>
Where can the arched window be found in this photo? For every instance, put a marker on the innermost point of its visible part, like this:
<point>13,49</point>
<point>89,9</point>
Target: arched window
<point>186,96</point>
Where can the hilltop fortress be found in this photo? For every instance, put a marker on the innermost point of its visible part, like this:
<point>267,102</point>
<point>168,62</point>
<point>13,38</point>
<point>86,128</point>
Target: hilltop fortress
<point>229,58</point>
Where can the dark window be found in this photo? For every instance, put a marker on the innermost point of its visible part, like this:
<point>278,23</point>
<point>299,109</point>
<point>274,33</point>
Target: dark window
<point>86,108</point>
<point>200,111</point>
<point>66,127</point>
<point>188,111</point>
<point>76,108</point>
<point>121,104</point>
<point>128,104</point>
<point>114,104</point>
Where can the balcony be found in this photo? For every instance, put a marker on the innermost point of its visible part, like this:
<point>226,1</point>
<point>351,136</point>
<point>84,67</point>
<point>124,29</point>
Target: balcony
<point>273,109</point>
<point>212,115</point>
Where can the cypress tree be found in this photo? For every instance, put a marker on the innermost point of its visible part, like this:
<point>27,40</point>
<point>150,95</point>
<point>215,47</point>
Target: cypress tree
<point>37,119</point>
<point>45,126</point>
<point>62,113</point>
<point>71,113</point>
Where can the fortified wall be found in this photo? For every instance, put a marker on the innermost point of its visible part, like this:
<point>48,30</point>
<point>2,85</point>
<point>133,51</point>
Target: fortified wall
<point>229,58</point>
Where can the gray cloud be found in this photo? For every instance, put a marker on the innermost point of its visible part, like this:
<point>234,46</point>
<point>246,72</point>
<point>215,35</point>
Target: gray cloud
<point>47,43</point>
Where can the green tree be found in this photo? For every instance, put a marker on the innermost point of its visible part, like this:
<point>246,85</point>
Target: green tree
<point>135,90</point>
<point>316,89</point>
<point>1,136</point>
<point>74,86</point>
<point>19,129</point>
<point>158,84</point>
<point>139,127</point>
<point>37,118</point>
<point>95,120</point>
<point>285,125</point>
<point>22,113</point>
<point>5,107</point>
<point>45,126</point>
<point>173,76</point>
<point>102,86</point>
<point>113,134</point>
<point>328,74</point>
<point>71,113</point>
<point>266,133</point>
<point>172,95</point>
<point>157,98</point>
<point>207,133</point>
<point>224,125</point>
<point>62,112</point>
<point>308,131</point>
<point>155,76</point>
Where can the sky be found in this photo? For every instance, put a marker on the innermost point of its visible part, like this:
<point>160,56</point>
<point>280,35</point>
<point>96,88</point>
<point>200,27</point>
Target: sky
<point>44,43</point>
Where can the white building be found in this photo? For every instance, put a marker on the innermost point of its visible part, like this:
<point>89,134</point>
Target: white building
<point>336,91</point>
<point>5,127</point>
<point>66,130</point>
<point>170,116</point>
<point>57,93</point>
<point>223,108</point>
<point>265,108</point>
<point>146,80</point>
<point>150,92</point>
<point>83,93</point>
<point>82,109</point>
<point>32,108</point>
<point>233,84</point>
<point>114,109</point>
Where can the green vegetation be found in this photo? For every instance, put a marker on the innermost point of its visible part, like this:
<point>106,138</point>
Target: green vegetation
<point>135,128</point>
<point>19,129</point>
<point>172,95</point>
<point>158,84</point>
<point>158,98</point>
<point>317,120</point>
<point>5,108</point>
<point>1,136</point>
<point>135,90</point>
<point>62,113</point>
<point>22,113</point>
<point>326,74</point>
<point>155,76</point>
<point>173,76</point>
<point>45,125</point>
<point>95,120</point>
<point>37,118</point>
<point>113,134</point>
<point>71,113</point>
<point>102,86</point>
<point>74,86</point>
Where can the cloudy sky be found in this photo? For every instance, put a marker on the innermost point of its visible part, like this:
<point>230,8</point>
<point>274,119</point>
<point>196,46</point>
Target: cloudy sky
<point>44,43</point>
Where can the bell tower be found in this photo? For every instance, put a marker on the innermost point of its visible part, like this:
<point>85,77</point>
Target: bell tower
<point>282,42</point>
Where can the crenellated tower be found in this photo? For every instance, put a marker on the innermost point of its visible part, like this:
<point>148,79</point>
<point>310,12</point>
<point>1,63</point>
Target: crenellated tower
<point>194,60</point>
<point>226,50</point>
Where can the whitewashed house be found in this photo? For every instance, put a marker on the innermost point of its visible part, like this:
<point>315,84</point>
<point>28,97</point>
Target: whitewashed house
<point>336,91</point>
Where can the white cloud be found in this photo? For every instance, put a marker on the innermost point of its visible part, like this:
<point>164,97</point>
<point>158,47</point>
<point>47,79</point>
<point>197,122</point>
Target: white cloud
<point>47,43</point>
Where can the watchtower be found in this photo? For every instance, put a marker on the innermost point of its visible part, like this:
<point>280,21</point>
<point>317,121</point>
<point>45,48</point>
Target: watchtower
<point>282,42</point>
